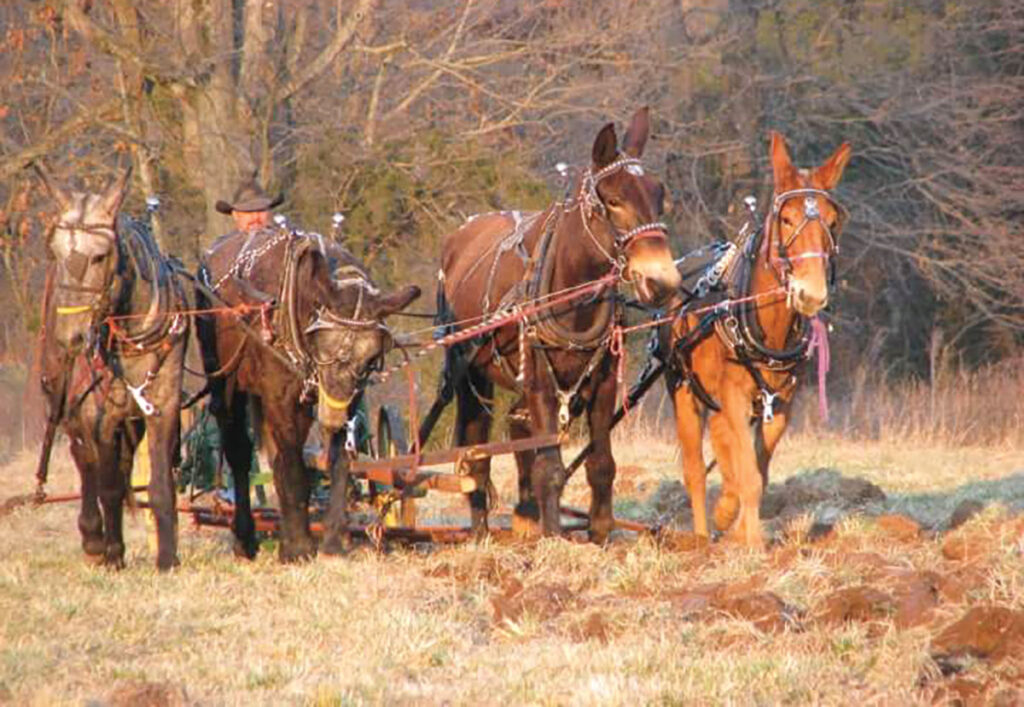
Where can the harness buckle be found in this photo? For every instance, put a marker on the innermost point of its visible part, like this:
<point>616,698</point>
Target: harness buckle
<point>768,405</point>
<point>350,434</point>
<point>148,409</point>
<point>563,410</point>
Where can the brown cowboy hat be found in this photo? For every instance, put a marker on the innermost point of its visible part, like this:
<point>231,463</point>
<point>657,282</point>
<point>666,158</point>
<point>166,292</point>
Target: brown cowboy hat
<point>249,197</point>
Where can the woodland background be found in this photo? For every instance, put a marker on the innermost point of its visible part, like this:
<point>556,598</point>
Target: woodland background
<point>409,115</point>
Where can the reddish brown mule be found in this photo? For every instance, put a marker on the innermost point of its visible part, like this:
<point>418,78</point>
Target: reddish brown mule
<point>498,261</point>
<point>746,369</point>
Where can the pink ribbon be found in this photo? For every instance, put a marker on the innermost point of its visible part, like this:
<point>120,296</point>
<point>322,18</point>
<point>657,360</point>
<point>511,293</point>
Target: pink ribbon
<point>819,344</point>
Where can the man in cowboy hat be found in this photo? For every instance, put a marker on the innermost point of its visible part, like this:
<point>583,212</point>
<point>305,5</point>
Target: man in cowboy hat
<point>251,207</point>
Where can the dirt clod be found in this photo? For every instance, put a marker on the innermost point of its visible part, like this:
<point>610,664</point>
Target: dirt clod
<point>964,511</point>
<point>899,527</point>
<point>479,568</point>
<point>765,610</point>
<point>860,603</point>
<point>540,601</point>
<point>681,541</point>
<point>960,690</point>
<point>916,595</point>
<point>806,491</point>
<point>148,694</point>
<point>965,545</point>
<point>987,632</point>
<point>595,627</point>
<point>956,586</point>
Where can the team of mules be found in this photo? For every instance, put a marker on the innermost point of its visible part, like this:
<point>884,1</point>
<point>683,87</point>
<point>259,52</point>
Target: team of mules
<point>291,329</point>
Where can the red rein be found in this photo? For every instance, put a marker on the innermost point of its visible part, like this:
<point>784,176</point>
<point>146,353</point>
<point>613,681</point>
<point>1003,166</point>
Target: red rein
<point>819,343</point>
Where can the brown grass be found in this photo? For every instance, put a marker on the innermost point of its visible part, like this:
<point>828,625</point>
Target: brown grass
<point>554,623</point>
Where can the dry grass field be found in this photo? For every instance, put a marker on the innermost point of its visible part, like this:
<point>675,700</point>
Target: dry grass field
<point>853,603</point>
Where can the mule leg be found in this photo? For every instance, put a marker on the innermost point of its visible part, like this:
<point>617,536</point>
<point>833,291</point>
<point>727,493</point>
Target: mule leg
<point>748,485</point>
<point>600,463</point>
<point>287,426</point>
<point>548,472</point>
<point>115,459</point>
<point>473,426</point>
<point>728,504</point>
<point>238,447</point>
<point>526,516</point>
<point>163,438</point>
<point>690,432</point>
<point>336,537</point>
<point>767,438</point>
<point>90,522</point>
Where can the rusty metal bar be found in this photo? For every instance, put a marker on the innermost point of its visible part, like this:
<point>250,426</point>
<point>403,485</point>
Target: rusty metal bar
<point>447,456</point>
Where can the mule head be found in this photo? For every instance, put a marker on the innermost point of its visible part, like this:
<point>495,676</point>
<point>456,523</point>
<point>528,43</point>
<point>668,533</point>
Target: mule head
<point>632,203</point>
<point>805,225</point>
<point>349,340</point>
<point>84,247</point>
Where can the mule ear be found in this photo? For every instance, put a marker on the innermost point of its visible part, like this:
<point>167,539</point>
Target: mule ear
<point>397,301</point>
<point>639,130</point>
<point>606,146</point>
<point>116,192</point>
<point>55,192</point>
<point>784,173</point>
<point>827,176</point>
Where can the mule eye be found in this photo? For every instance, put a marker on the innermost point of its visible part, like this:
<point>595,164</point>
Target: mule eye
<point>614,203</point>
<point>97,259</point>
<point>787,221</point>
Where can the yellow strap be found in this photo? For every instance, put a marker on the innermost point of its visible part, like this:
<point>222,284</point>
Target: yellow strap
<point>75,309</point>
<point>330,402</point>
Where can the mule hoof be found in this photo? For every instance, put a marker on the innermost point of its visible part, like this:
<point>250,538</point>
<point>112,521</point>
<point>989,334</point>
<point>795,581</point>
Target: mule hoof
<point>525,528</point>
<point>114,561</point>
<point>94,558</point>
<point>296,552</point>
<point>336,546</point>
<point>246,549</point>
<point>166,564</point>
<point>526,521</point>
<point>598,537</point>
<point>94,546</point>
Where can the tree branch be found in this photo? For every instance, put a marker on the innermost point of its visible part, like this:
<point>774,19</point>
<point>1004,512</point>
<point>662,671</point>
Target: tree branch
<point>18,160</point>
<point>106,42</point>
<point>342,37</point>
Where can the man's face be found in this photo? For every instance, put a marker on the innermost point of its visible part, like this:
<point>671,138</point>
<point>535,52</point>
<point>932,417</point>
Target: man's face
<point>250,220</point>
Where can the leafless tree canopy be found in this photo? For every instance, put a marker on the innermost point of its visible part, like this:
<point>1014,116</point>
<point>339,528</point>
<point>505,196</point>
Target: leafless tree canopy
<point>410,115</point>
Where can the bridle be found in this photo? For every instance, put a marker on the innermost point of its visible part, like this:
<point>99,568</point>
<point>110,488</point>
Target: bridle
<point>76,265</point>
<point>782,265</point>
<point>296,342</point>
<point>589,202</point>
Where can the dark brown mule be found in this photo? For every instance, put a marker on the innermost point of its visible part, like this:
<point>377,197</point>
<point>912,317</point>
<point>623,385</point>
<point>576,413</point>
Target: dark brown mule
<point>744,369</point>
<point>498,261</point>
<point>308,352</point>
<point>113,348</point>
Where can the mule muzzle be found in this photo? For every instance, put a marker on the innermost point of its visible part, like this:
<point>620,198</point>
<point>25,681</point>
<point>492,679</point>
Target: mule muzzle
<point>332,411</point>
<point>806,299</point>
<point>655,284</point>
